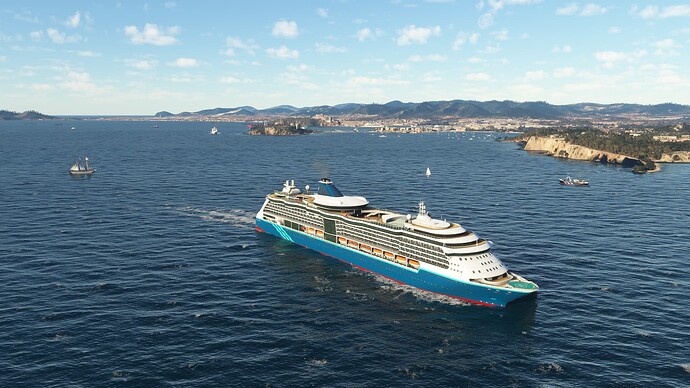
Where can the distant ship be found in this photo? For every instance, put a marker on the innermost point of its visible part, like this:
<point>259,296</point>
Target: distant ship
<point>79,168</point>
<point>430,254</point>
<point>428,172</point>
<point>214,131</point>
<point>568,181</point>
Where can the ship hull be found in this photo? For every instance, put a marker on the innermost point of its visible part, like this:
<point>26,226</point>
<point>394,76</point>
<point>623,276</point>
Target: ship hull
<point>421,278</point>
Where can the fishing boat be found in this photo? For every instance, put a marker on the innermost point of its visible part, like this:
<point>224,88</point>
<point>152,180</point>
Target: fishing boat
<point>568,181</point>
<point>79,168</point>
<point>424,252</point>
<point>214,131</point>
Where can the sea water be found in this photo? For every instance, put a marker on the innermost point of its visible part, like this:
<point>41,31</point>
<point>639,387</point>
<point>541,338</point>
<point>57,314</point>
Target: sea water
<point>150,272</point>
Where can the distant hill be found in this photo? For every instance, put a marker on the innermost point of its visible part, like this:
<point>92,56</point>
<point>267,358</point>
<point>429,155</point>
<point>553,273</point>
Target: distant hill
<point>28,115</point>
<point>456,108</point>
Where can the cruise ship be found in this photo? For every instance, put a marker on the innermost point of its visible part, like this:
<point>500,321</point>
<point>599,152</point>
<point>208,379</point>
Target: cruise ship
<point>430,254</point>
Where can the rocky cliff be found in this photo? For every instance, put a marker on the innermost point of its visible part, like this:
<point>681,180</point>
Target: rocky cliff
<point>676,157</point>
<point>559,148</point>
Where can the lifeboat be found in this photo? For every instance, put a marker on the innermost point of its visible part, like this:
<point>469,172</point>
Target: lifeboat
<point>413,263</point>
<point>378,252</point>
<point>353,244</point>
<point>365,248</point>
<point>401,260</point>
<point>388,255</point>
<point>311,231</point>
<point>319,233</point>
<point>342,240</point>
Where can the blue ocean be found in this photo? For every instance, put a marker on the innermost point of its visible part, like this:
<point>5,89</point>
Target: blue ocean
<point>150,272</point>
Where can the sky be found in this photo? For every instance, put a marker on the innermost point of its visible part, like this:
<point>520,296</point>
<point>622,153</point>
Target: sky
<point>140,57</point>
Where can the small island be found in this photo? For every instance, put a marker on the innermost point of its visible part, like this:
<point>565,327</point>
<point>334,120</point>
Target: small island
<point>287,127</point>
<point>28,115</point>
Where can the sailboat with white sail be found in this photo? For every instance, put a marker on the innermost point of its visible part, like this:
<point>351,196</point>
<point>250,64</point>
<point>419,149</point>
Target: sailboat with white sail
<point>79,168</point>
<point>428,172</point>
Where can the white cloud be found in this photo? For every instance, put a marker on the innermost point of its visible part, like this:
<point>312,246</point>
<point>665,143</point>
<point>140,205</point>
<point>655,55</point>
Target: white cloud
<point>322,12</point>
<point>420,35</point>
<point>563,72</point>
<point>229,80</point>
<point>60,37</point>
<point>74,20</point>
<point>79,82</point>
<point>666,47</point>
<point>368,33</point>
<point>369,81</point>
<point>653,11</point>
<point>88,53</point>
<point>152,34</point>
<point>328,49</point>
<point>461,38</point>
<point>614,30</point>
<point>593,10</point>
<point>589,9</point>
<point>611,58</point>
<point>570,9</point>
<point>41,87</point>
<point>478,77</point>
<point>282,52</point>
<point>170,4</point>
<point>675,11</point>
<point>185,62</point>
<point>500,35</point>
<point>36,35</point>
<point>535,75</point>
<point>562,49</point>
<point>485,21</point>
<point>364,34</point>
<point>285,29</point>
<point>432,76</point>
<point>427,58</point>
<point>236,43</point>
<point>142,64</point>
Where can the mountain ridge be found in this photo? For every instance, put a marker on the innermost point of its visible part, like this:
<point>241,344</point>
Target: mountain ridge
<point>455,108</point>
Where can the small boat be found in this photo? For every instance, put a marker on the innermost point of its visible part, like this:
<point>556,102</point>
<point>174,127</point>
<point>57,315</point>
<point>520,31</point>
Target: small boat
<point>154,126</point>
<point>428,172</point>
<point>413,263</point>
<point>382,135</point>
<point>79,168</point>
<point>568,181</point>
<point>214,131</point>
<point>73,128</point>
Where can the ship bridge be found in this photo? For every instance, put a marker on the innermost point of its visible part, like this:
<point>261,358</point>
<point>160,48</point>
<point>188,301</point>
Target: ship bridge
<point>328,196</point>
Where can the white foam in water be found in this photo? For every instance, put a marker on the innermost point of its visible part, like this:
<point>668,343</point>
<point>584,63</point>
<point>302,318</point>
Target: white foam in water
<point>426,296</point>
<point>315,362</point>
<point>548,368</point>
<point>236,217</point>
<point>686,367</point>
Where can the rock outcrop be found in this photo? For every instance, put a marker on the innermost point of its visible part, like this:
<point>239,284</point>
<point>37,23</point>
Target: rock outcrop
<point>279,130</point>
<point>676,157</point>
<point>559,148</point>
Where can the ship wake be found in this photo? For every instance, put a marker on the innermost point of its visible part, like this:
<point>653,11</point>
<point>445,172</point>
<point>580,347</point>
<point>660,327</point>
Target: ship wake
<point>235,217</point>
